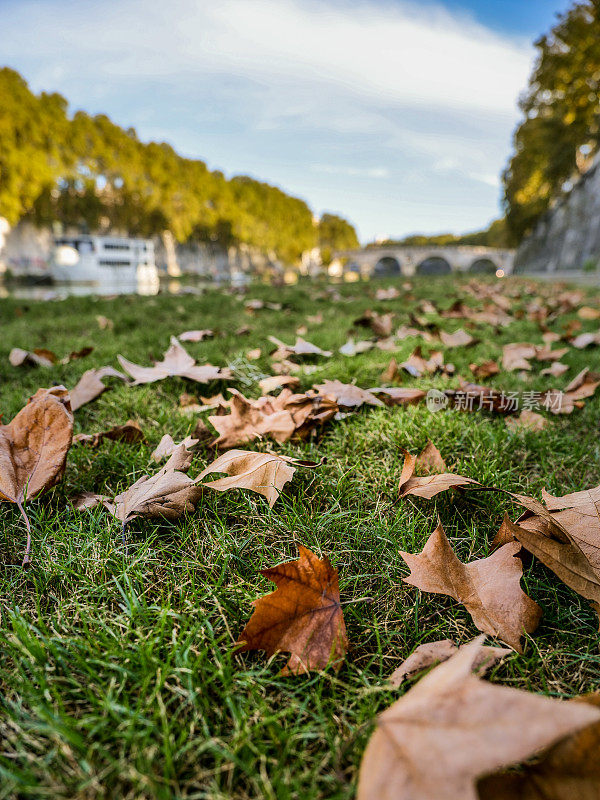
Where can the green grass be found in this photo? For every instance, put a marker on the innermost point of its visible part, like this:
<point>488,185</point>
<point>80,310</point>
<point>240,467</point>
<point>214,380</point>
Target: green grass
<point>118,676</point>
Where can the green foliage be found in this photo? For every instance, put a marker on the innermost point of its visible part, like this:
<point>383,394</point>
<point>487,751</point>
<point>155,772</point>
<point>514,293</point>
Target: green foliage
<point>85,171</point>
<point>559,133</point>
<point>495,235</point>
<point>335,233</point>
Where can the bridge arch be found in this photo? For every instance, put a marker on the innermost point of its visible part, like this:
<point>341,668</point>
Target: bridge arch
<point>433,265</point>
<point>387,266</point>
<point>483,266</point>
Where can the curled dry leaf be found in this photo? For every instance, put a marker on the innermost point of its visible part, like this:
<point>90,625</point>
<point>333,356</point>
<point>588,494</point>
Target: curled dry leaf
<point>38,357</point>
<point>429,485</point>
<point>484,370</point>
<point>459,338</point>
<point>430,459</point>
<point>380,324</point>
<point>278,417</point>
<point>34,447</point>
<point>453,728</point>
<point>347,395</point>
<point>104,323</point>
<point>489,588</point>
<point>252,355</point>
<point>268,385</point>
<point>168,493</point>
<point>196,336</point>
<point>177,362</point>
<point>167,446</point>
<point>516,356</point>
<point>565,536</point>
<point>301,348</point>
<point>130,433</point>
<point>583,385</point>
<point>303,616</point>
<point>90,385</point>
<point>396,396</point>
<point>432,653</point>
<point>585,340</point>
<point>352,348</point>
<point>556,369</point>
<point>264,473</point>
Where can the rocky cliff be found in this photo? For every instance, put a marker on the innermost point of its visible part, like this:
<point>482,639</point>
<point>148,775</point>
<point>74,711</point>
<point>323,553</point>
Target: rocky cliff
<point>567,237</point>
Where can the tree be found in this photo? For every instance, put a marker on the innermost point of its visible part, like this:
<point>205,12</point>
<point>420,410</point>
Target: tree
<point>560,131</point>
<point>335,233</point>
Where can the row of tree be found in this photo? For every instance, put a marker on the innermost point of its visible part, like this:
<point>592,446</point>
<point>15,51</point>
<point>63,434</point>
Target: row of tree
<point>495,235</point>
<point>88,172</point>
<point>560,131</point>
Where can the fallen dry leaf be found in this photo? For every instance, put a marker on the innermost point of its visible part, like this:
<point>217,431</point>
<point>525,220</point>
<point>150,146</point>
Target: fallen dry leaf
<point>251,419</point>
<point>556,369</point>
<point>585,340</point>
<point>587,312</point>
<point>268,385</point>
<point>303,616</point>
<point>432,653</point>
<point>380,324</point>
<point>104,323</point>
<point>90,385</point>
<point>196,336</point>
<point>430,459</point>
<point>352,348</point>
<point>347,395</point>
<point>33,449</point>
<point>430,485</point>
<point>253,355</point>
<point>489,588</point>
<point>38,357</point>
<point>459,338</point>
<point>130,433</point>
<point>516,356</point>
<point>582,386</point>
<point>300,348</point>
<point>264,473</point>
<point>176,363</point>
<point>484,370</point>
<point>168,493</point>
<point>527,420</point>
<point>396,396</point>
<point>167,446</point>
<point>453,728</point>
<point>568,770</point>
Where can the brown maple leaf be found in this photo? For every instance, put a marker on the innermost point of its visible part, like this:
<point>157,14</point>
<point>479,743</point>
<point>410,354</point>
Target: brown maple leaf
<point>485,369</point>
<point>453,728</point>
<point>33,449</point>
<point>264,473</point>
<point>251,419</point>
<point>177,362</point>
<point>489,588</point>
<point>303,616</point>
<point>396,396</point>
<point>40,357</point>
<point>527,420</point>
<point>516,356</point>
<point>429,485</point>
<point>90,385</point>
<point>269,384</point>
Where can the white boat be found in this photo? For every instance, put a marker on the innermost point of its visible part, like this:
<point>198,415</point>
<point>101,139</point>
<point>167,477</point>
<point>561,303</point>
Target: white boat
<point>112,263</point>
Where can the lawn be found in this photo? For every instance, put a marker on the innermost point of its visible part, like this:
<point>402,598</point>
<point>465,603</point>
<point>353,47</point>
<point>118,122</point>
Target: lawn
<point>118,672</point>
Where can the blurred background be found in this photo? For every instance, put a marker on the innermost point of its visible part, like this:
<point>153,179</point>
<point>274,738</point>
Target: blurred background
<point>289,137</point>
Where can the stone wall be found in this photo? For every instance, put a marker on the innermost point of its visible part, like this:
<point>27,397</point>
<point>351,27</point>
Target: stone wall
<point>567,237</point>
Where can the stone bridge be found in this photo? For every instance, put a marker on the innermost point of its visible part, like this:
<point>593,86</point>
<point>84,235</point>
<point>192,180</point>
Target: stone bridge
<point>390,260</point>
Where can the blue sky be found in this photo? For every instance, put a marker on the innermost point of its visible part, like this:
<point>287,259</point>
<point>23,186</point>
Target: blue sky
<point>396,114</point>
